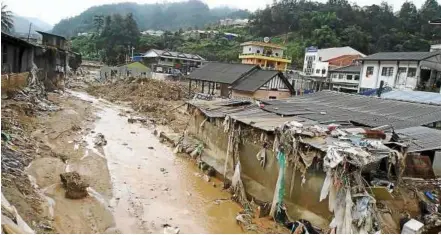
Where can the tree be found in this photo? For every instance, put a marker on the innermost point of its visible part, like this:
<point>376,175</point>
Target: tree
<point>7,21</point>
<point>409,18</point>
<point>429,11</point>
<point>98,21</point>
<point>325,37</point>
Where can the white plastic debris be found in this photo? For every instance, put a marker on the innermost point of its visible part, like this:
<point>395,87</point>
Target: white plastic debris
<point>412,227</point>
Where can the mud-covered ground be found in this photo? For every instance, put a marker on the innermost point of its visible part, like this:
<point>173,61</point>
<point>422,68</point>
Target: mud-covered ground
<point>136,183</point>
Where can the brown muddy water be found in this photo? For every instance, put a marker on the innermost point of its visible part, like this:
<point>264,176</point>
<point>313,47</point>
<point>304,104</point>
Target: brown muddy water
<point>150,185</point>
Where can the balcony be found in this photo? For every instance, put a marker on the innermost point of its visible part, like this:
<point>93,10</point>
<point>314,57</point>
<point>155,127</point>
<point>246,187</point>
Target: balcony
<point>266,57</point>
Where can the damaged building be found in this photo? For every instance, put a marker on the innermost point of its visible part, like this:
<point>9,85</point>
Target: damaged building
<point>346,163</point>
<point>49,62</point>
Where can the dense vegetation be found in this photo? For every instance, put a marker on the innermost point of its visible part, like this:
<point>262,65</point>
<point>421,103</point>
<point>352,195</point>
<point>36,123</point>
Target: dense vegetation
<point>297,24</point>
<point>165,16</point>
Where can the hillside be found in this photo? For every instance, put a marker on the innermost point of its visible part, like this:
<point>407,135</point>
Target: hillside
<point>165,16</point>
<point>21,25</point>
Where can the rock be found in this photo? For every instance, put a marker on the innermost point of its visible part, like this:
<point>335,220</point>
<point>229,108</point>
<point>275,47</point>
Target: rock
<point>162,169</point>
<point>214,185</point>
<point>125,144</point>
<point>165,189</point>
<point>75,128</point>
<point>132,132</point>
<point>150,147</point>
<point>100,140</point>
<point>75,186</point>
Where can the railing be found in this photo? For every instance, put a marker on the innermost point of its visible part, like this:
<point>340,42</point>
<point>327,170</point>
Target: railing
<point>271,56</point>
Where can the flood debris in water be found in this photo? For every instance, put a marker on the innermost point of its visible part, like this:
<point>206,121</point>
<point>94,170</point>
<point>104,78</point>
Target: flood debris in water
<point>75,185</point>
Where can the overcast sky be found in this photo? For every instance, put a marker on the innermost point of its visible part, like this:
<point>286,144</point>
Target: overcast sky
<point>52,11</point>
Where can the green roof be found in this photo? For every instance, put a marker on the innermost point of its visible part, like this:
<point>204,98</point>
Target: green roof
<point>137,65</point>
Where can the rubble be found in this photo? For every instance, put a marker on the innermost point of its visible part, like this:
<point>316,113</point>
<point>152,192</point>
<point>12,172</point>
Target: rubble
<point>100,140</point>
<point>75,185</point>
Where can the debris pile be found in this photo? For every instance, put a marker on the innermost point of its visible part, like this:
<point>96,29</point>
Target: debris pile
<point>156,98</point>
<point>75,185</point>
<point>100,140</point>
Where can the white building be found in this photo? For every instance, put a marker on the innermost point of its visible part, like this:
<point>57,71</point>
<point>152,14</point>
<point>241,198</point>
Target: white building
<point>401,70</point>
<point>435,47</point>
<point>233,22</point>
<point>157,33</point>
<point>345,79</point>
<point>317,61</point>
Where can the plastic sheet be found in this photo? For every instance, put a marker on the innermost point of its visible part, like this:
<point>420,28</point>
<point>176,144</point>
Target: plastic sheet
<point>280,186</point>
<point>326,186</point>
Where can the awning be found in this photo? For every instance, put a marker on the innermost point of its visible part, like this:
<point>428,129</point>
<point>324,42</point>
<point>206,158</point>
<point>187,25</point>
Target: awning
<point>431,65</point>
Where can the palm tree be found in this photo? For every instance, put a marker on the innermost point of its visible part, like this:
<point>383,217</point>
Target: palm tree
<point>7,21</point>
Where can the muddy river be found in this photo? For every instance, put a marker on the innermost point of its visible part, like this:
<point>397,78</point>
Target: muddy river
<point>149,186</point>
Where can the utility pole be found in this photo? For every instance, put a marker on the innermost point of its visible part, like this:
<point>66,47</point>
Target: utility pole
<point>133,48</point>
<point>29,33</point>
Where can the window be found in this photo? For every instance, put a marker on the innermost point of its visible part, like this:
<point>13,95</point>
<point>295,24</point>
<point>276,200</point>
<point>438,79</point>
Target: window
<point>278,63</point>
<point>402,70</point>
<point>323,71</point>
<point>387,71</point>
<point>249,48</point>
<point>411,72</point>
<point>348,77</point>
<point>357,77</point>
<point>277,54</point>
<point>272,97</point>
<point>258,61</point>
<point>317,71</point>
<point>369,71</point>
<point>162,59</point>
<point>258,51</point>
<point>334,75</point>
<point>341,76</point>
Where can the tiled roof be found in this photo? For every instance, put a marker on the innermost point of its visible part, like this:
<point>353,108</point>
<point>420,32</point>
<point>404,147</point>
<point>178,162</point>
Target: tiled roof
<point>254,80</point>
<point>421,138</point>
<point>221,72</point>
<point>413,96</point>
<point>328,106</point>
<point>411,56</point>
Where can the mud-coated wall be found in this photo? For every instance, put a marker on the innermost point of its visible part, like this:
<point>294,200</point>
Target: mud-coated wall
<point>260,182</point>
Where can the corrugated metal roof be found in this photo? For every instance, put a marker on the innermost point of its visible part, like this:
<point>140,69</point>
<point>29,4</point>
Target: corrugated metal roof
<point>221,72</point>
<point>254,80</point>
<point>329,106</point>
<point>421,138</point>
<point>413,96</point>
<point>347,69</point>
<point>413,56</point>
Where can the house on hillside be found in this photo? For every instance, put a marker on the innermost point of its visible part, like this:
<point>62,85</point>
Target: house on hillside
<point>267,55</point>
<point>242,81</point>
<point>17,54</point>
<point>345,79</point>
<point>164,61</point>
<point>400,70</point>
<point>318,62</point>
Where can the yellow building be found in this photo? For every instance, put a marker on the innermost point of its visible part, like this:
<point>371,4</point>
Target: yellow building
<point>267,55</point>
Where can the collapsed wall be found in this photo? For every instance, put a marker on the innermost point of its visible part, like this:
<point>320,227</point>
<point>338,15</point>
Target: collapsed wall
<point>259,182</point>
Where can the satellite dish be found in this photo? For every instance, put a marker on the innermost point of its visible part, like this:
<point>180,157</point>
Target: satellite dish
<point>266,39</point>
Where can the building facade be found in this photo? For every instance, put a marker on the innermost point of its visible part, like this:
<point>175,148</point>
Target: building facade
<point>345,79</point>
<point>318,61</point>
<point>266,55</point>
<point>400,70</point>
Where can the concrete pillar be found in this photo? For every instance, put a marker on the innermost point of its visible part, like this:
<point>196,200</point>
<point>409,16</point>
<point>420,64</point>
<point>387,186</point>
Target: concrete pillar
<point>203,86</point>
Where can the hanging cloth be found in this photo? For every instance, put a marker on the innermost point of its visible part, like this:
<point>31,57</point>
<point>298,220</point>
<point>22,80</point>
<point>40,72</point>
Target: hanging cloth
<point>280,186</point>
